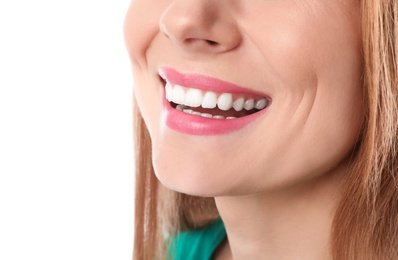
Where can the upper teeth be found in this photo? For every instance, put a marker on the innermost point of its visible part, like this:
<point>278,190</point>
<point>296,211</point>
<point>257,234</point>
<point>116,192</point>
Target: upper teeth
<point>193,97</point>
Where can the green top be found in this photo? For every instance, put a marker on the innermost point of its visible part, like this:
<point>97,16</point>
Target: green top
<point>198,244</point>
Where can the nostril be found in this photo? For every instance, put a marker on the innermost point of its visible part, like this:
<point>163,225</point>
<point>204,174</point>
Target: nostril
<point>211,42</point>
<point>195,41</point>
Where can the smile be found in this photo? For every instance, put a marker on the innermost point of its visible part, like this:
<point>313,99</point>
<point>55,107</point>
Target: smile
<point>201,105</point>
<point>211,104</point>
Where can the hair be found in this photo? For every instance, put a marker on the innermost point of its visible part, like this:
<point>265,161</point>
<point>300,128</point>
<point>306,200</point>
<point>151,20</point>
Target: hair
<point>365,224</point>
<point>366,221</point>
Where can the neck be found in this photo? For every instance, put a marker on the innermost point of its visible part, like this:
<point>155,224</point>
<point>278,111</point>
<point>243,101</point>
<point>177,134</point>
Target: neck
<point>293,223</point>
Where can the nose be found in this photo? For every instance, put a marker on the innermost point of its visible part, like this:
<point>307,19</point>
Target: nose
<point>204,26</point>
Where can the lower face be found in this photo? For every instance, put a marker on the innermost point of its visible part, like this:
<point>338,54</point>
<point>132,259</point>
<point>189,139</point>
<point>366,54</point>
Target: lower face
<point>295,65</point>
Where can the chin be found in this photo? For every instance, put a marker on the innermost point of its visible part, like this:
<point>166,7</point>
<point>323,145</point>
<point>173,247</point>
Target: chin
<point>192,182</point>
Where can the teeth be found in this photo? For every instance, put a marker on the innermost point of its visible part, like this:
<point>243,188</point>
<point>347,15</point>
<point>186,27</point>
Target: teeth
<point>209,100</point>
<point>187,98</point>
<point>224,101</point>
<point>261,104</point>
<point>193,98</point>
<point>249,104</point>
<point>206,115</point>
<point>196,113</point>
<point>180,107</point>
<point>178,95</point>
<point>188,111</point>
<point>238,104</point>
<point>169,92</point>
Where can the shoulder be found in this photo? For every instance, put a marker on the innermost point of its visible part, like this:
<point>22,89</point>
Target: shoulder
<point>197,244</point>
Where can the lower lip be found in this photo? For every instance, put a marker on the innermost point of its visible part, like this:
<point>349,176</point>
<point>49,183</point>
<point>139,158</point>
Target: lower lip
<point>197,125</point>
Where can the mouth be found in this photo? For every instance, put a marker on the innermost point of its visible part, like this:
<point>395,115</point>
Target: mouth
<point>210,98</point>
<point>212,104</point>
<point>201,105</point>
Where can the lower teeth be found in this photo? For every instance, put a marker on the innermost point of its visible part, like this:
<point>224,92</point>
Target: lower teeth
<point>187,110</point>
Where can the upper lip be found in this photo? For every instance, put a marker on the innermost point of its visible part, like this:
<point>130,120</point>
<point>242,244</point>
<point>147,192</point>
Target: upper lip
<point>203,82</point>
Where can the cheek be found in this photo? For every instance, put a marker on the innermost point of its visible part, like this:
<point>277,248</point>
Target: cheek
<point>319,97</point>
<point>148,93</point>
<point>141,25</point>
<point>330,132</point>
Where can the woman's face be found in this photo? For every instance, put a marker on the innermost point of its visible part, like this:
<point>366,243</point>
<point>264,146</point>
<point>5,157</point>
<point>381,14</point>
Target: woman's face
<point>288,70</point>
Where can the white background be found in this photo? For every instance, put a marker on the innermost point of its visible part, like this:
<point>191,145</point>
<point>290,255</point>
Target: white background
<point>66,152</point>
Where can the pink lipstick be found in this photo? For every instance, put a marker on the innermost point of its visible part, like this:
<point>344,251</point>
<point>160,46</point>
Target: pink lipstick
<point>200,105</point>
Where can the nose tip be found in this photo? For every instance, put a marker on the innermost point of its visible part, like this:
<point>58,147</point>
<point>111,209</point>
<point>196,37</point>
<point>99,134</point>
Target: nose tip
<point>200,26</point>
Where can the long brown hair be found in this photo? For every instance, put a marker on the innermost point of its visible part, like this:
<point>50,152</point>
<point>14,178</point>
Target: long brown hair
<point>366,221</point>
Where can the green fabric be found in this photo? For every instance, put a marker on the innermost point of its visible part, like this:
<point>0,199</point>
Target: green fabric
<point>198,244</point>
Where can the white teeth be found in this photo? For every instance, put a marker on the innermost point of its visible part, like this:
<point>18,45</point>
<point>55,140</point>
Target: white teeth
<point>193,98</point>
<point>186,98</point>
<point>188,111</point>
<point>238,104</point>
<point>178,94</point>
<point>209,100</point>
<point>169,91</point>
<point>180,107</point>
<point>206,115</point>
<point>249,104</point>
<point>224,101</point>
<point>261,104</point>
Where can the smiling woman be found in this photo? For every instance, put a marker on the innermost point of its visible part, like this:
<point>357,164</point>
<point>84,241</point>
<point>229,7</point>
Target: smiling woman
<point>276,119</point>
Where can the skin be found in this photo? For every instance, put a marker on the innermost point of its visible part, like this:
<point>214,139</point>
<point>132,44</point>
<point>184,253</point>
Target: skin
<point>276,181</point>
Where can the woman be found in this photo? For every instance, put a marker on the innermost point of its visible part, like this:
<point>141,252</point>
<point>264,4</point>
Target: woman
<point>284,112</point>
